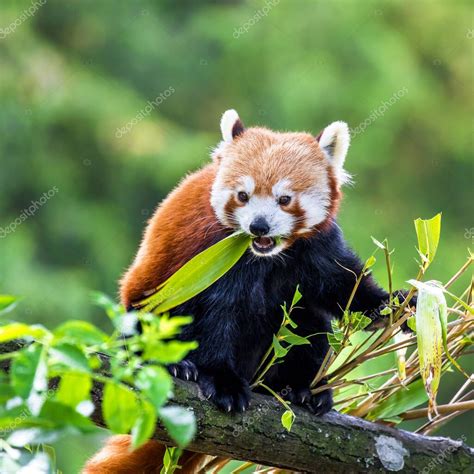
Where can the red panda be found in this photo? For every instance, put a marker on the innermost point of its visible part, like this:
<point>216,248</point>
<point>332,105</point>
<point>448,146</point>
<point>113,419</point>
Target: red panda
<point>284,190</point>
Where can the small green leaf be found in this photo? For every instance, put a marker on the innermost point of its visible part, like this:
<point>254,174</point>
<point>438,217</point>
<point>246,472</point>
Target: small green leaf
<point>6,392</point>
<point>60,415</point>
<point>169,352</point>
<point>359,321</point>
<point>280,351</point>
<point>180,424</point>
<point>296,297</point>
<point>335,338</point>
<point>80,332</point>
<point>72,357</point>
<point>411,323</point>
<point>29,374</point>
<point>156,383</point>
<point>370,262</point>
<point>112,309</point>
<point>292,338</point>
<point>8,303</point>
<point>171,326</point>
<point>13,331</point>
<point>119,407</point>
<point>386,311</point>
<point>144,426</point>
<point>74,389</point>
<point>428,232</point>
<point>287,419</point>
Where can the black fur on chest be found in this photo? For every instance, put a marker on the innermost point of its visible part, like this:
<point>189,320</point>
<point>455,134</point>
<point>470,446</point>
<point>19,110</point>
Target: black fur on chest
<point>243,310</point>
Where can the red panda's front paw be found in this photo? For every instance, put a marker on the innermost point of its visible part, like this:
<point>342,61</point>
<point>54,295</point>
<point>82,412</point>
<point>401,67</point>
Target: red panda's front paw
<point>320,403</point>
<point>230,393</point>
<point>184,370</point>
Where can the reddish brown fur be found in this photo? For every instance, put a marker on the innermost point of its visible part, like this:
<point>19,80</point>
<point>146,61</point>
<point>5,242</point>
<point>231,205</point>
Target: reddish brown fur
<point>269,156</point>
<point>183,225</point>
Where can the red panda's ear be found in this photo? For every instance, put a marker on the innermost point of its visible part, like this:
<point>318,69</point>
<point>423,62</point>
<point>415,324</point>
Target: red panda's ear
<point>231,125</point>
<point>334,141</point>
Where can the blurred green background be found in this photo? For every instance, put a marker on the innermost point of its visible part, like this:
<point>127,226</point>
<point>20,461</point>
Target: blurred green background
<point>74,75</point>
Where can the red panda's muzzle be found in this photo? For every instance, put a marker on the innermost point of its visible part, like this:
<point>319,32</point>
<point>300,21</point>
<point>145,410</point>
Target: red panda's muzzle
<point>263,244</point>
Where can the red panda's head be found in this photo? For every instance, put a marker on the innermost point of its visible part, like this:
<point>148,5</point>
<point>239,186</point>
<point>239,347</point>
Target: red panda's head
<point>277,187</point>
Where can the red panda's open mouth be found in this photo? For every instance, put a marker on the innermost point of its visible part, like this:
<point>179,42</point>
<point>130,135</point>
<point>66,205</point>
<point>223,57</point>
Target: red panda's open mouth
<point>263,244</point>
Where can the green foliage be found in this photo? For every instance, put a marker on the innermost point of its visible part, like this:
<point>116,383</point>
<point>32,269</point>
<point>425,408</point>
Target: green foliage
<point>47,392</point>
<point>170,460</point>
<point>360,366</point>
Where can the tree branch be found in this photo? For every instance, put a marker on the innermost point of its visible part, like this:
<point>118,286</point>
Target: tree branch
<point>333,443</point>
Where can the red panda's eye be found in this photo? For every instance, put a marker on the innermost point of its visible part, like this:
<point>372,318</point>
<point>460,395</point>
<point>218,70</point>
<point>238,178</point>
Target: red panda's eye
<point>284,200</point>
<point>243,197</point>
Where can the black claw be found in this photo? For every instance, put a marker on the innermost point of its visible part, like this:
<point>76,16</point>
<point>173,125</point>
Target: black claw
<point>185,370</point>
<point>228,393</point>
<point>321,402</point>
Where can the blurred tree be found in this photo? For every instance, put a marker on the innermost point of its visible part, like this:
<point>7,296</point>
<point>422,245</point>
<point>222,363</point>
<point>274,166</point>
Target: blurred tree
<point>75,75</point>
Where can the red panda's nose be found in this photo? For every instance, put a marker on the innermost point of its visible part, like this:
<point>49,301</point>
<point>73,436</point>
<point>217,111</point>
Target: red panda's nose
<point>259,227</point>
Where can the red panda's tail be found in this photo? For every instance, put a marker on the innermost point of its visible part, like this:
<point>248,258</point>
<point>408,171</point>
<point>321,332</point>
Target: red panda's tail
<point>116,457</point>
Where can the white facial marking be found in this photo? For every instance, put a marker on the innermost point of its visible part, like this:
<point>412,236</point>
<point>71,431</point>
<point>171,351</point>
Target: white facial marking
<point>282,188</point>
<point>220,196</point>
<point>315,203</point>
<point>248,184</point>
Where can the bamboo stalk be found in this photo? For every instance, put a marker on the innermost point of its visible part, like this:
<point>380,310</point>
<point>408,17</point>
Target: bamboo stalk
<point>442,410</point>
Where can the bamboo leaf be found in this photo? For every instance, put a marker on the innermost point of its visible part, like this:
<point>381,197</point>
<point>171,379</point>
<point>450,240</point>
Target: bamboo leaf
<point>428,232</point>
<point>400,402</point>
<point>431,326</point>
<point>197,274</point>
